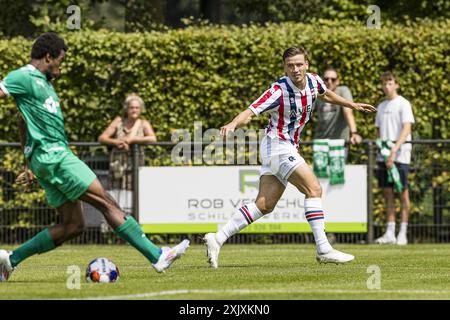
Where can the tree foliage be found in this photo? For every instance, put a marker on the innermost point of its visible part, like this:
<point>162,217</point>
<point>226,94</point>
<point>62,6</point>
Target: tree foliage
<point>211,73</point>
<point>310,10</point>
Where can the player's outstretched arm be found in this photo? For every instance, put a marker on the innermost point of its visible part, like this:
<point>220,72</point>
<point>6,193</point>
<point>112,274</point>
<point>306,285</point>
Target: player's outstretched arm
<point>240,120</point>
<point>333,98</point>
<point>2,94</point>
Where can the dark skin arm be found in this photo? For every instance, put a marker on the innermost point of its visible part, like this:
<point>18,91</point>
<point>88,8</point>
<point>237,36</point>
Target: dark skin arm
<point>26,177</point>
<point>22,132</point>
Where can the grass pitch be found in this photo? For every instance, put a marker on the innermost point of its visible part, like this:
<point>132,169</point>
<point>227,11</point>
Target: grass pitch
<point>245,272</point>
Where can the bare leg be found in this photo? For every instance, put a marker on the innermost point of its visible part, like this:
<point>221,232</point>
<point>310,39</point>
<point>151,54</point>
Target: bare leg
<point>270,191</point>
<point>102,201</point>
<point>389,197</point>
<point>127,229</point>
<point>48,239</point>
<point>306,182</point>
<point>72,223</point>
<point>405,205</point>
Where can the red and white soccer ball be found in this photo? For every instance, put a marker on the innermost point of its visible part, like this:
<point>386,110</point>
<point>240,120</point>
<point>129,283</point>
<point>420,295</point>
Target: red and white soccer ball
<point>102,270</point>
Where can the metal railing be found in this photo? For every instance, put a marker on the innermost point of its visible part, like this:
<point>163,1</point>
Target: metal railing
<point>24,213</point>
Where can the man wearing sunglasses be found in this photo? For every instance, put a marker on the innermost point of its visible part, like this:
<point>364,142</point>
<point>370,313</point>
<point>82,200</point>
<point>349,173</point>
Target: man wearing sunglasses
<point>334,121</point>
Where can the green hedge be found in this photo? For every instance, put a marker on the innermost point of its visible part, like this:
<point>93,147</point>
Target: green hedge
<point>212,73</point>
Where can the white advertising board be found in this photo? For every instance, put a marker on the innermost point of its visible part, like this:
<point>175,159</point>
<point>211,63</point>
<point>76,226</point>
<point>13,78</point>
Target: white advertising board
<point>201,199</point>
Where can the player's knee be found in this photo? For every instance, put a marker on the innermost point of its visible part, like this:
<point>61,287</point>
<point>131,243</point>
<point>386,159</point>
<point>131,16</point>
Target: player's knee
<point>79,228</point>
<point>75,229</point>
<point>266,210</point>
<point>405,204</point>
<point>265,207</point>
<point>107,206</point>
<point>388,193</point>
<point>110,203</point>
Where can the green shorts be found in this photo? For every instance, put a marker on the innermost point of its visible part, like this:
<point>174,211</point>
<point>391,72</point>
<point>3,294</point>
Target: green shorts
<point>63,176</point>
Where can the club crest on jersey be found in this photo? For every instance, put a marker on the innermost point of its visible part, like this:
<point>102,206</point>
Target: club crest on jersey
<point>51,105</point>
<point>292,100</point>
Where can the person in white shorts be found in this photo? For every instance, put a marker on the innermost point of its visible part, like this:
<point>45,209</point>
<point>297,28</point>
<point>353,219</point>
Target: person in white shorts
<point>289,103</point>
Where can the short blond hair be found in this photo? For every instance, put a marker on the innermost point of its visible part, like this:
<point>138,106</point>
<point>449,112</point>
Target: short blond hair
<point>132,97</point>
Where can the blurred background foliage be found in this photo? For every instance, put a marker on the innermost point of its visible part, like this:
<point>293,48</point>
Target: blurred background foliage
<point>29,18</point>
<point>210,73</point>
<point>206,60</point>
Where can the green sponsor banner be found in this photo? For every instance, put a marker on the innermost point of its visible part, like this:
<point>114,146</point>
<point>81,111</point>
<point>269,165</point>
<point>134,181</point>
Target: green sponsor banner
<point>254,228</point>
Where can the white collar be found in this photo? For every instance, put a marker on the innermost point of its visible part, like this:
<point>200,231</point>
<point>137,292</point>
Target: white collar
<point>30,67</point>
<point>291,83</point>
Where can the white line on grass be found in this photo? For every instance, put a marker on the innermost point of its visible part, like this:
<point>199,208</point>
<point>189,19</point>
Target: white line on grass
<point>251,291</point>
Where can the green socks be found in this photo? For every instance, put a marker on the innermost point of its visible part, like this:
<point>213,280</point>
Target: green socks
<point>131,232</point>
<point>40,243</point>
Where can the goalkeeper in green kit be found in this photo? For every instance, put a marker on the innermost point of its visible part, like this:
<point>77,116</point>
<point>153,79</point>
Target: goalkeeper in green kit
<point>66,179</point>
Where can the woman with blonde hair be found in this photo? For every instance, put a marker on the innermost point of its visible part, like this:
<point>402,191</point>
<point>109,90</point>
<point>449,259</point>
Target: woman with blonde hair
<point>121,133</point>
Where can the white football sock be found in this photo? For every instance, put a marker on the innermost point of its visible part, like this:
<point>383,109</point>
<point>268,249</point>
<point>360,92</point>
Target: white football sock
<point>403,228</point>
<point>390,229</point>
<point>315,217</point>
<point>244,216</point>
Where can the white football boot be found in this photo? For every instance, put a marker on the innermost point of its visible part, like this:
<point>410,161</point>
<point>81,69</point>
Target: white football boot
<point>401,239</point>
<point>386,238</point>
<point>5,265</point>
<point>212,249</point>
<point>169,255</point>
<point>334,256</point>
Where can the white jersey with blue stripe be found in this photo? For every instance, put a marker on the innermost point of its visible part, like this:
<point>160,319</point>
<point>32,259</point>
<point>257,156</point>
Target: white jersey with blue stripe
<point>289,108</point>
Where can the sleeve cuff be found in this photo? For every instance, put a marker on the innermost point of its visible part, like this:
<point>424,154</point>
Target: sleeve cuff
<point>254,110</point>
<point>321,94</point>
<point>3,88</point>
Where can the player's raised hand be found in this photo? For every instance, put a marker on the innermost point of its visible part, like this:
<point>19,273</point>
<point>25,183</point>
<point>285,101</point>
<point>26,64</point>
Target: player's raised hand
<point>227,128</point>
<point>364,107</point>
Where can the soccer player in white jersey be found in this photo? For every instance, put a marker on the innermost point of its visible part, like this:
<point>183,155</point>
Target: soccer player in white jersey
<point>289,103</point>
